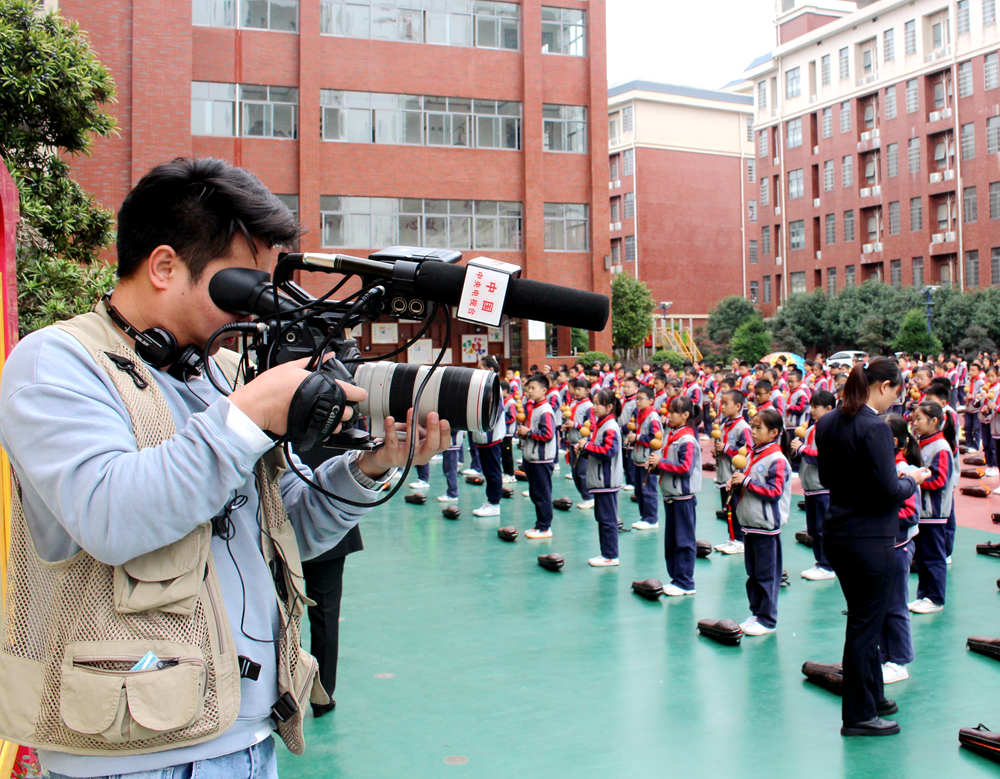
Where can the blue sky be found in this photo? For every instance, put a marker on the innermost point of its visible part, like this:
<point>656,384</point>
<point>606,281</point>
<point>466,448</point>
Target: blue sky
<point>705,43</point>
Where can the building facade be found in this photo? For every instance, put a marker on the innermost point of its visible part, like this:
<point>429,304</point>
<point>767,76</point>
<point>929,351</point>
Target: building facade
<point>676,161</point>
<point>469,125</point>
<point>877,136</point>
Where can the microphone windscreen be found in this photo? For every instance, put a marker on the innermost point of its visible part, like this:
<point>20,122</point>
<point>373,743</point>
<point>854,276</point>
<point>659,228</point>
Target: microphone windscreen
<point>526,299</point>
<point>557,305</point>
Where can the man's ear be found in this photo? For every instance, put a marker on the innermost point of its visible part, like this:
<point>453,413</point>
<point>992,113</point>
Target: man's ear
<point>162,266</point>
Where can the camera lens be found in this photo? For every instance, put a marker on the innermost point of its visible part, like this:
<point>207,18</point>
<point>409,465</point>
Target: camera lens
<point>468,398</point>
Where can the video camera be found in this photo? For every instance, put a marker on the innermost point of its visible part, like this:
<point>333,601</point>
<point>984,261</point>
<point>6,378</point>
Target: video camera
<point>400,281</point>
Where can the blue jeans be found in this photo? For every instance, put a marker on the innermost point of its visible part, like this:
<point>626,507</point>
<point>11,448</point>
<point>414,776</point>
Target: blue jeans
<point>256,762</point>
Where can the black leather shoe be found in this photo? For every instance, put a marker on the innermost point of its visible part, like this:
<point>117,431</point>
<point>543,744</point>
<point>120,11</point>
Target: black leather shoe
<point>319,709</point>
<point>871,727</point>
<point>886,707</point>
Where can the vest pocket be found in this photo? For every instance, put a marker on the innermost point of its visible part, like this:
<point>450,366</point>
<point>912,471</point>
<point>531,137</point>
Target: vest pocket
<point>101,696</point>
<point>167,579</point>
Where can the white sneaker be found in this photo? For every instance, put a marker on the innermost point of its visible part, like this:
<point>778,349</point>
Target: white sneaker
<point>947,560</point>
<point>892,673</point>
<point>628,488</point>
<point>992,472</point>
<point>817,574</point>
<point>924,606</point>
<point>644,525</point>
<point>751,627</point>
<point>556,468</point>
<point>674,591</point>
<point>532,532</point>
<point>419,485</point>
<point>508,478</point>
<point>487,510</point>
<point>437,458</point>
<point>568,476</point>
<point>730,547</point>
<point>585,504</point>
<point>601,562</point>
<point>446,499</point>
<point>471,472</point>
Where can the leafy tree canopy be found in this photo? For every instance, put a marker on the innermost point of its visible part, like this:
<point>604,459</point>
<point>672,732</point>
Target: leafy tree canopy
<point>631,311</point>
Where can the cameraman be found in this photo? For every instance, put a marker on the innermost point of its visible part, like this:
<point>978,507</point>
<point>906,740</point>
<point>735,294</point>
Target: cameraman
<point>137,635</point>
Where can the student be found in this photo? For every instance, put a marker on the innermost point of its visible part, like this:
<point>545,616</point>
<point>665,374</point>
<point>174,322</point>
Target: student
<point>487,444</point>
<point>581,416</point>
<point>449,465</point>
<point>936,434</point>
<point>538,445</point>
<point>940,391</point>
<point>602,452</point>
<point>987,406</point>
<point>679,470</point>
<point>647,431</point>
<point>971,393</point>
<point>763,494</point>
<point>630,389</point>
<point>797,411</point>
<point>897,644</point>
<point>817,496</point>
<point>660,391</point>
<point>735,432</point>
<point>510,422</point>
<point>762,395</point>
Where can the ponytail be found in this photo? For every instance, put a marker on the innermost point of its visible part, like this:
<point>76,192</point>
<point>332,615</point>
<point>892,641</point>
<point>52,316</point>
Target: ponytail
<point>863,376</point>
<point>905,439</point>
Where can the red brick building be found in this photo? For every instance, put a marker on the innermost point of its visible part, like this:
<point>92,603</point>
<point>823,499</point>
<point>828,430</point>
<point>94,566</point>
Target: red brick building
<point>472,128</point>
<point>877,139</point>
<point>677,162</point>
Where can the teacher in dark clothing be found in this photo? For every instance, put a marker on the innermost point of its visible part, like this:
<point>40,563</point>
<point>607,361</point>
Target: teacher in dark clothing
<point>857,464</point>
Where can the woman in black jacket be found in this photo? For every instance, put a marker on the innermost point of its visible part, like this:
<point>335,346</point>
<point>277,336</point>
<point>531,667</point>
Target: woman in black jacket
<point>857,464</point>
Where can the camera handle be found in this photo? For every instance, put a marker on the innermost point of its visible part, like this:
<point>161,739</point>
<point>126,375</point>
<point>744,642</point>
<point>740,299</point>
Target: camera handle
<point>317,408</point>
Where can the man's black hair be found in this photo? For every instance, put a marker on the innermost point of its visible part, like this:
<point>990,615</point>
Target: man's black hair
<point>646,391</point>
<point>538,378</point>
<point>197,207</point>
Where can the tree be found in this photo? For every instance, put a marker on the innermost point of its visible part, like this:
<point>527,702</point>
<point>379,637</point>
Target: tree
<point>728,315</point>
<point>913,337</point>
<point>752,340</point>
<point>798,326</point>
<point>876,334</point>
<point>631,312</point>
<point>952,315</point>
<point>847,311</point>
<point>580,339</point>
<point>977,339</point>
<point>52,93</point>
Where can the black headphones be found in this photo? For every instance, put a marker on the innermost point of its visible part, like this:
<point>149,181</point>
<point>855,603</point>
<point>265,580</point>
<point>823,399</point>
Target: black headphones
<point>157,346</point>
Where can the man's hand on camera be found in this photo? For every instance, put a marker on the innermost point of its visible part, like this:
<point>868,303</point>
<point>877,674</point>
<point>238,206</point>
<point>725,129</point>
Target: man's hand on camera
<point>431,440</point>
<point>266,399</point>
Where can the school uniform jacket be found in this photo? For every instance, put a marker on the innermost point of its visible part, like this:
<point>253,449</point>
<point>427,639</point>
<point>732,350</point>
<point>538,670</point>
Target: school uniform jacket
<point>491,437</point>
<point>798,407</point>
<point>735,435</point>
<point>539,446</point>
<point>694,392</point>
<point>647,425</point>
<point>628,412</point>
<point>778,402</point>
<point>510,415</point>
<point>581,412</point>
<point>809,466</point>
<point>680,467</point>
<point>763,505</point>
<point>553,398</point>
<point>937,492</point>
<point>605,472</point>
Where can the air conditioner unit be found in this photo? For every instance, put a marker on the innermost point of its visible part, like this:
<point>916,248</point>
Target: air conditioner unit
<point>815,149</point>
<point>875,133</point>
<point>949,236</point>
<point>934,116</point>
<point>611,226</point>
<point>937,238</point>
<point>815,202</point>
<point>876,191</point>
<point>866,192</point>
<point>611,185</point>
<point>949,174</point>
<point>877,246</point>
<point>777,210</point>
<point>819,254</point>
<point>618,184</point>
<point>775,160</point>
<point>812,98</point>
<point>777,260</point>
<point>866,135</point>
<point>946,113</point>
<point>866,248</point>
<point>860,145</point>
<point>618,225</point>
<point>935,178</point>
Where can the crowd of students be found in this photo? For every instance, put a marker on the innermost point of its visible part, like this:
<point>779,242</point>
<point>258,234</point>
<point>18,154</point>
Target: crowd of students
<point>642,431</point>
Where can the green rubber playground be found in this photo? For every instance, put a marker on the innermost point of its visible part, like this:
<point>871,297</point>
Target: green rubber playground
<point>460,656</point>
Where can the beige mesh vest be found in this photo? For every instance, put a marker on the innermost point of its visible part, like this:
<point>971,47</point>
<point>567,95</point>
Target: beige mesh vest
<point>70,631</point>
